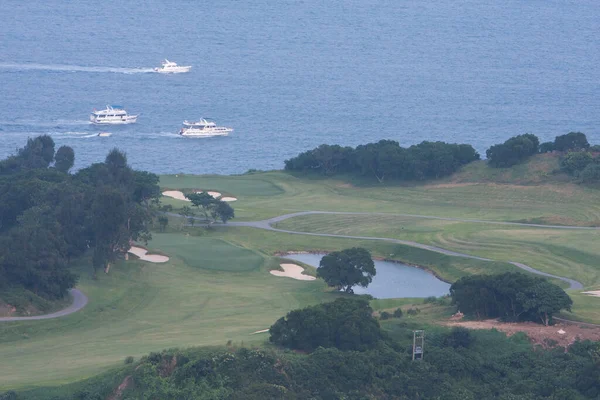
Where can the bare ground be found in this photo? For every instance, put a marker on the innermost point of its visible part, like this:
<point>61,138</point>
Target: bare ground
<point>546,336</point>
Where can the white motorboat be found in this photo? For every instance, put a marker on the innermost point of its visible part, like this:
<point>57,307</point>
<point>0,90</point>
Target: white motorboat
<point>112,115</point>
<point>203,128</point>
<point>104,134</point>
<point>169,67</point>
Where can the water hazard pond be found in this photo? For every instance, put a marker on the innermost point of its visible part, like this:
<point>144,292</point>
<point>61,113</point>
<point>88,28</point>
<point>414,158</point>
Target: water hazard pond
<point>393,280</point>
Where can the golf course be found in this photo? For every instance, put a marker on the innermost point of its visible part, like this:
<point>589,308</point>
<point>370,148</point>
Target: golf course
<point>216,287</point>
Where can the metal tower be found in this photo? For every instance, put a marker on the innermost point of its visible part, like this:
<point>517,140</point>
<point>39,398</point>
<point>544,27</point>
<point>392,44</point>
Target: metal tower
<point>418,345</point>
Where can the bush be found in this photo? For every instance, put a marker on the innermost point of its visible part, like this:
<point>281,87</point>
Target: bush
<point>575,161</point>
<point>430,299</point>
<point>458,337</point>
<point>571,141</point>
<point>546,147</point>
<point>385,315</point>
<point>129,360</point>
<point>397,313</point>
<point>513,151</point>
<point>413,311</point>
<point>590,174</point>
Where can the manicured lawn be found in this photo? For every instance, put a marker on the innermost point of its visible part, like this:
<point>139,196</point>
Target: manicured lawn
<point>224,293</point>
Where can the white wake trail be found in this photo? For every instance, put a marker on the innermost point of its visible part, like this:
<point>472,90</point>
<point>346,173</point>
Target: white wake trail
<point>74,68</point>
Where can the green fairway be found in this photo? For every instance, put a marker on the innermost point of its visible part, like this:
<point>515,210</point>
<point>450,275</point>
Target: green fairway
<point>141,307</point>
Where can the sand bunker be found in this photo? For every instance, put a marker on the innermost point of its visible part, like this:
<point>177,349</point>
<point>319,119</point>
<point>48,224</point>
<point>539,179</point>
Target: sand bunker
<point>261,331</point>
<point>228,199</point>
<point>142,254</point>
<point>176,194</point>
<point>292,271</point>
<point>595,293</point>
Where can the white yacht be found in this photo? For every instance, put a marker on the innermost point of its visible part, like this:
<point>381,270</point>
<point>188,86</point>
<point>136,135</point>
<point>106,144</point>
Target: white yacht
<point>169,67</point>
<point>203,128</point>
<point>112,115</point>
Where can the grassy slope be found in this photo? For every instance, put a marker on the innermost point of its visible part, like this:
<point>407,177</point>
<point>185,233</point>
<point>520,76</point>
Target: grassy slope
<point>141,307</point>
<point>216,287</point>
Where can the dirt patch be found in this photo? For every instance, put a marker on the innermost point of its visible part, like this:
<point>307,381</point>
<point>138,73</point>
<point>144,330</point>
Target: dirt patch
<point>7,310</point>
<point>562,335</point>
<point>118,393</point>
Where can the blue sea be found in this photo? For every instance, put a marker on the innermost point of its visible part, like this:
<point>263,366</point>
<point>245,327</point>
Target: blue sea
<point>289,75</point>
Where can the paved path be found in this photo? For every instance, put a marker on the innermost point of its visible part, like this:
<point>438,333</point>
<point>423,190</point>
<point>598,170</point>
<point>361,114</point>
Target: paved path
<point>267,225</point>
<point>79,301</point>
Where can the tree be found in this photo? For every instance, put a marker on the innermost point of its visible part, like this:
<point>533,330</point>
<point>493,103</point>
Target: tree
<point>203,201</point>
<point>211,208</point>
<point>513,151</point>
<point>163,221</point>
<point>347,324</point>
<point>576,161</point>
<point>571,141</point>
<point>223,211</point>
<point>64,159</point>
<point>543,300</point>
<point>346,268</point>
<point>546,147</point>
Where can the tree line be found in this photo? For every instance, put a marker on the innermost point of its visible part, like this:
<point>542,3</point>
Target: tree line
<point>386,160</point>
<point>512,296</point>
<point>49,217</point>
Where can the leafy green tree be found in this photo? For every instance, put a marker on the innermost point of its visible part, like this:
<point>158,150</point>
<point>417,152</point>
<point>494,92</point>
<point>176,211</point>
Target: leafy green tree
<point>163,221</point>
<point>37,153</point>
<point>223,211</point>
<point>543,300</point>
<point>347,268</point>
<point>64,159</point>
<point>203,202</point>
<point>571,141</point>
<point>145,187</point>
<point>513,151</point>
<point>546,147</point>
<point>575,161</point>
<point>347,324</point>
<point>591,173</point>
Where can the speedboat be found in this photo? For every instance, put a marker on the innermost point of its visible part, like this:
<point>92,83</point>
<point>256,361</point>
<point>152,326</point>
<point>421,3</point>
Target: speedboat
<point>112,115</point>
<point>203,128</point>
<point>169,67</point>
<point>104,134</point>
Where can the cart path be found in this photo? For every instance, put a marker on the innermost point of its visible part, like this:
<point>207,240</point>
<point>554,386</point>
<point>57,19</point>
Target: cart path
<point>79,301</point>
<point>267,225</point>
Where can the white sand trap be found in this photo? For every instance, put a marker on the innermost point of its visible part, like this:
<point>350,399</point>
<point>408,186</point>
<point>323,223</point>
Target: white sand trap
<point>228,199</point>
<point>142,254</point>
<point>292,271</point>
<point>176,194</point>
<point>261,331</point>
<point>595,293</point>
<point>214,194</point>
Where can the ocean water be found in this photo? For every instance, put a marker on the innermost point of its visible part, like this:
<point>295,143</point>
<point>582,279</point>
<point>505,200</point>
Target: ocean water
<point>290,75</point>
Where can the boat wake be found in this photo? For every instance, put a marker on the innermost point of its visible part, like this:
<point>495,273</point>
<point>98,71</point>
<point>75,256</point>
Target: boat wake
<point>74,68</point>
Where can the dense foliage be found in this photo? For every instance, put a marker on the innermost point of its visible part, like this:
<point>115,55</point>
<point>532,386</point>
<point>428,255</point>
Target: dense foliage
<point>347,268</point>
<point>212,209</point>
<point>48,216</point>
<point>511,296</point>
<point>346,324</point>
<point>513,151</point>
<point>457,365</point>
<point>571,141</point>
<point>386,160</point>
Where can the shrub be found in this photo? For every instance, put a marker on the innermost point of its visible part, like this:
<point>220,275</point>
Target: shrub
<point>458,337</point>
<point>513,151</point>
<point>413,311</point>
<point>575,161</point>
<point>385,315</point>
<point>430,299</point>
<point>397,313</point>
<point>571,141</point>
<point>590,174</point>
<point>546,147</point>
<point>129,360</point>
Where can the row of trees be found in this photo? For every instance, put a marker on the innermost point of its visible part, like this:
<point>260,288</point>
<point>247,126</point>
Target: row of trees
<point>511,296</point>
<point>518,148</point>
<point>386,160</point>
<point>48,217</point>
